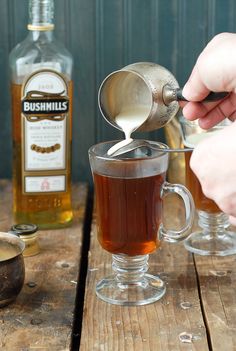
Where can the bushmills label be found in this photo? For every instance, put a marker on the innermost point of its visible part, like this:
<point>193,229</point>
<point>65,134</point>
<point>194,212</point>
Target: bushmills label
<point>38,103</point>
<point>44,107</point>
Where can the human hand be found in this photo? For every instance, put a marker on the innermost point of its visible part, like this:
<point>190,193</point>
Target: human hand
<point>215,70</point>
<point>213,161</point>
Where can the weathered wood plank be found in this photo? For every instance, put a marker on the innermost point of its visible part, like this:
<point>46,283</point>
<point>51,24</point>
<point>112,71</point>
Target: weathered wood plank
<point>154,327</point>
<point>42,316</point>
<point>217,277</point>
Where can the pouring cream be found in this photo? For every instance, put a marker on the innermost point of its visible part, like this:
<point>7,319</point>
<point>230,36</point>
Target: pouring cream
<point>129,120</point>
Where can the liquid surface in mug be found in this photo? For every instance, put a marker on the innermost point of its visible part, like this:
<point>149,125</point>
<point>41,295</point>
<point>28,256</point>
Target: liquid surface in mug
<point>128,213</point>
<point>8,251</point>
<point>202,202</point>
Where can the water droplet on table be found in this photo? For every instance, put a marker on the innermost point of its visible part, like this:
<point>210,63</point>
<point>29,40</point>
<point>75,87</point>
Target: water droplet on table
<point>65,265</point>
<point>185,305</point>
<point>31,284</point>
<point>218,273</point>
<point>36,321</point>
<point>157,283</point>
<point>93,269</point>
<point>186,337</point>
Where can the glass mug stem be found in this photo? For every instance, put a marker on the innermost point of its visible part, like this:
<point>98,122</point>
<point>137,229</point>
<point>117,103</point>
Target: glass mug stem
<point>213,223</point>
<point>129,269</point>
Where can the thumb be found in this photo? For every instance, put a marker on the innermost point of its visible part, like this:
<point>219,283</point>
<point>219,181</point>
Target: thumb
<point>194,89</point>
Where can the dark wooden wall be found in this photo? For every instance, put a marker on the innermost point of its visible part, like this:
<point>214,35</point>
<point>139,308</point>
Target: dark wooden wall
<point>105,35</point>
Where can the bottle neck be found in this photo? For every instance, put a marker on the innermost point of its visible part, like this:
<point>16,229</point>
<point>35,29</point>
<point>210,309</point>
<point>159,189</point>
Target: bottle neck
<point>45,36</point>
<point>41,14</point>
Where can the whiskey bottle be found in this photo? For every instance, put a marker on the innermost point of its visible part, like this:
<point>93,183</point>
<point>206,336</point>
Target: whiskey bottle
<point>41,91</point>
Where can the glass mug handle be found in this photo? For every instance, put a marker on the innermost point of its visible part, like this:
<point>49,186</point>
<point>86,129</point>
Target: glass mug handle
<point>177,235</point>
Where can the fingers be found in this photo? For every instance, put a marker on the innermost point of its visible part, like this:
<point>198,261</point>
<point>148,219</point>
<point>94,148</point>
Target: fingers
<point>207,118</point>
<point>218,114</point>
<point>193,110</point>
<point>210,114</point>
<point>232,220</point>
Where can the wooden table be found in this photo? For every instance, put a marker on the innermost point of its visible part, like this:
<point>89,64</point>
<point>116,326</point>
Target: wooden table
<point>42,317</point>
<point>199,306</point>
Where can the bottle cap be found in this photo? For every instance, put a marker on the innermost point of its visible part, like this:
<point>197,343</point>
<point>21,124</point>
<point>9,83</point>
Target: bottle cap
<point>28,233</point>
<point>24,228</point>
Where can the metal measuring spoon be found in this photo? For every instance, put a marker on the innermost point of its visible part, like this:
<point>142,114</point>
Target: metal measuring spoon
<point>133,144</point>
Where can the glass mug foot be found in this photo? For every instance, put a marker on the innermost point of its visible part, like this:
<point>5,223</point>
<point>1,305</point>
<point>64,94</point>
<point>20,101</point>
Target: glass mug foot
<point>130,285</point>
<point>220,244</point>
<point>213,238</point>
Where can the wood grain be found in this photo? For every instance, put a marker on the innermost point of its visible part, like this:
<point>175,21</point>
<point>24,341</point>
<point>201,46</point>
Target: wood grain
<point>41,318</point>
<point>217,277</point>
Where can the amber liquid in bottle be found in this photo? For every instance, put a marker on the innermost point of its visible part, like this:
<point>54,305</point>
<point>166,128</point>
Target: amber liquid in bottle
<point>41,89</point>
<point>46,210</point>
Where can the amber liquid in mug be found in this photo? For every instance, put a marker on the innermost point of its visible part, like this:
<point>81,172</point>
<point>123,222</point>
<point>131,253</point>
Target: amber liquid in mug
<point>128,213</point>
<point>202,203</point>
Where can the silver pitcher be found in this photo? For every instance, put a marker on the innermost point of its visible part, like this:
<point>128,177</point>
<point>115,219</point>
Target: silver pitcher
<point>143,84</point>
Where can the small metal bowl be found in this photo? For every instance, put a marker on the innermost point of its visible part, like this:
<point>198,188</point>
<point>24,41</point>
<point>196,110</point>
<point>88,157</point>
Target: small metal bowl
<point>12,268</point>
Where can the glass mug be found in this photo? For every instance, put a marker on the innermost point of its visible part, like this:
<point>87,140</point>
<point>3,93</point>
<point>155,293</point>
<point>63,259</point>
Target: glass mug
<point>129,192</point>
<point>213,238</point>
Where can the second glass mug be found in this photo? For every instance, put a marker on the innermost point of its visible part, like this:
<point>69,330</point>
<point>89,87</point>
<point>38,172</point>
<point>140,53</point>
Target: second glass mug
<point>129,192</point>
<point>213,238</point>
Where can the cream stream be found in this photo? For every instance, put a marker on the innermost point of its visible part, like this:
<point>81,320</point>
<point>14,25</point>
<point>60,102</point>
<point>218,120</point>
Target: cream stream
<point>129,120</point>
